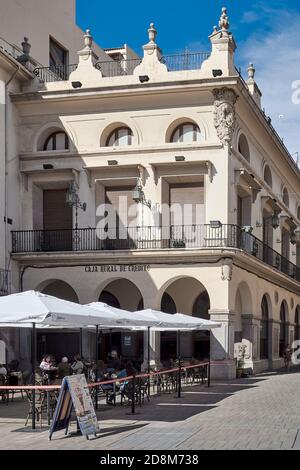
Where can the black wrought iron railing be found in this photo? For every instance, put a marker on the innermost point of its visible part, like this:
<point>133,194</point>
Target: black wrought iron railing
<point>116,68</point>
<point>151,238</point>
<point>10,49</point>
<point>185,61</point>
<point>54,73</point>
<point>174,62</point>
<point>4,282</point>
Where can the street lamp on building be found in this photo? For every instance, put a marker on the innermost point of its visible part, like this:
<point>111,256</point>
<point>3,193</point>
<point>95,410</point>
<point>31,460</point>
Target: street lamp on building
<point>294,236</point>
<point>274,218</point>
<point>138,194</point>
<point>72,200</point>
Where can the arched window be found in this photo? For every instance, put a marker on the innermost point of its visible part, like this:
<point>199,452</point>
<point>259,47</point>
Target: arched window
<point>297,325</point>
<point>243,147</point>
<point>120,137</point>
<point>57,141</point>
<point>268,176</point>
<point>187,132</point>
<point>283,329</point>
<point>167,304</point>
<point>264,328</point>
<point>202,306</point>
<point>285,197</point>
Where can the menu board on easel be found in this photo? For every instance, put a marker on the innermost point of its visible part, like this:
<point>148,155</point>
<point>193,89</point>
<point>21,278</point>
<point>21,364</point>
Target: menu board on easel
<point>75,394</point>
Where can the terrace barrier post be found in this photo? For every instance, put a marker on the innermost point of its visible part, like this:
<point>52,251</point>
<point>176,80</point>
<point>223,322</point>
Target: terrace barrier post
<point>179,365</point>
<point>33,358</point>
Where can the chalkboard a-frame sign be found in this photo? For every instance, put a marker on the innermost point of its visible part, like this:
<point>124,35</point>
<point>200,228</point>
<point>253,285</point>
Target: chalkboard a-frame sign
<point>74,394</point>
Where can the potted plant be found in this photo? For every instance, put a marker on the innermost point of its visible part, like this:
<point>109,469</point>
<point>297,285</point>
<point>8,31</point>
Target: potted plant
<point>241,361</point>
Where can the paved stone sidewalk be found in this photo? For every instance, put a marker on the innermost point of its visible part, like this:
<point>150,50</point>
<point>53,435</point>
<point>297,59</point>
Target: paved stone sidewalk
<point>262,412</point>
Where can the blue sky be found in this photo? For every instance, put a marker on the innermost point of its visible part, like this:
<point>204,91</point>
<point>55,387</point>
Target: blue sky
<point>267,33</point>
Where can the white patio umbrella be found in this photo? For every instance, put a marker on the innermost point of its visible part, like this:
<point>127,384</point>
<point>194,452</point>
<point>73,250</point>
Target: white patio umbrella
<point>175,322</point>
<point>132,320</point>
<point>155,319</point>
<point>178,321</point>
<point>37,308</point>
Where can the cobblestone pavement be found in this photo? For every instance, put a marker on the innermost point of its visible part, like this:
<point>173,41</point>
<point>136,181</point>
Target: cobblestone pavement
<point>262,412</point>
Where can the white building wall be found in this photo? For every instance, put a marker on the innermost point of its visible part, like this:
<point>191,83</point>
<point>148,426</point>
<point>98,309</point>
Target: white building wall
<point>40,19</point>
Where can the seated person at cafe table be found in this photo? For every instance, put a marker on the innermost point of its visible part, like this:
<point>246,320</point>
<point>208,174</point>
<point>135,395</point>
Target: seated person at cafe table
<point>113,362</point>
<point>77,366</point>
<point>128,371</point>
<point>3,370</point>
<point>64,368</point>
<point>48,368</point>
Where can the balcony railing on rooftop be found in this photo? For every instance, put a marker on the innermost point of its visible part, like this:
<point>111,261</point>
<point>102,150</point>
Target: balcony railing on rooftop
<point>4,282</point>
<point>16,52</point>
<point>55,73</point>
<point>10,49</point>
<point>185,61</point>
<point>116,68</point>
<point>175,62</point>
<point>151,238</point>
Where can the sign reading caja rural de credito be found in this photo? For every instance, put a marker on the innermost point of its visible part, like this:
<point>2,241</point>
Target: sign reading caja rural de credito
<point>118,268</point>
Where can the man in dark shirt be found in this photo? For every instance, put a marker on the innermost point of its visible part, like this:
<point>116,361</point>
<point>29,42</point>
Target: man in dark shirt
<point>114,362</point>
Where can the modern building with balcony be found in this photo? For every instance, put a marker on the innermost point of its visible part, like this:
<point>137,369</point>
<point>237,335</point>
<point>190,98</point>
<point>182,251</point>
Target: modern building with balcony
<point>157,181</point>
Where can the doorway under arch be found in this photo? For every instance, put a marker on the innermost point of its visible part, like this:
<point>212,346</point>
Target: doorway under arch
<point>59,343</point>
<point>264,327</point>
<point>283,334</point>
<point>189,296</point>
<point>124,294</point>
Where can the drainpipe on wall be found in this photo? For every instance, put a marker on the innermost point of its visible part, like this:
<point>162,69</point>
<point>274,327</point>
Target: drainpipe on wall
<point>7,261</point>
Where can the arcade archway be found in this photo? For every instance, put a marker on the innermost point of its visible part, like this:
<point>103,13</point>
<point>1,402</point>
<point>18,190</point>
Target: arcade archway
<point>189,296</point>
<point>122,293</point>
<point>67,342</point>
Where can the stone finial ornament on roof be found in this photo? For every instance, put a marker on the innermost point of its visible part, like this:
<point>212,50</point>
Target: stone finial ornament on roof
<point>151,65</point>
<point>26,46</point>
<point>152,34</point>
<point>224,21</point>
<point>251,72</point>
<point>88,39</point>
<point>25,57</point>
<point>86,73</point>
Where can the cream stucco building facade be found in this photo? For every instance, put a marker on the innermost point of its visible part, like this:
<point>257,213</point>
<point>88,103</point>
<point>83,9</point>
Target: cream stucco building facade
<point>157,131</point>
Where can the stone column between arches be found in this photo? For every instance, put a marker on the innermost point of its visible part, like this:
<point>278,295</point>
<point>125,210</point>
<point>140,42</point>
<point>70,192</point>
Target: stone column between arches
<point>250,338</point>
<point>222,345</point>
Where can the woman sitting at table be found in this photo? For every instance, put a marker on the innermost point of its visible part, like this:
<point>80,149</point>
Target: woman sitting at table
<point>3,370</point>
<point>77,366</point>
<point>128,371</point>
<point>48,369</point>
<point>98,371</point>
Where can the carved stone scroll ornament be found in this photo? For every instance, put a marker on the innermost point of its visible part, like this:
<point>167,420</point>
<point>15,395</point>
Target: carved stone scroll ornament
<point>226,273</point>
<point>224,114</point>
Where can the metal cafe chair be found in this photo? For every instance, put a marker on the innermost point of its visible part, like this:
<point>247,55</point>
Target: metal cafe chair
<point>126,393</point>
<point>198,374</point>
<point>40,405</point>
<point>144,389</point>
<point>4,394</point>
<point>13,380</point>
